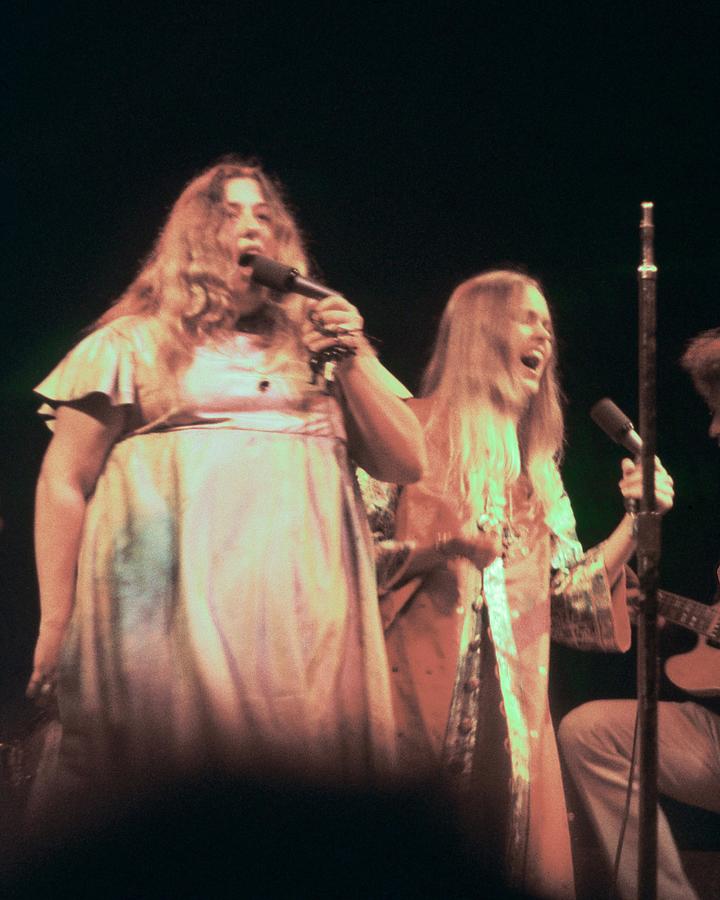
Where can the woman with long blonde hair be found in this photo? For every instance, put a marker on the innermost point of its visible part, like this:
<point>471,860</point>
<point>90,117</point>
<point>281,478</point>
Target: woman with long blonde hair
<point>205,569</point>
<point>490,561</point>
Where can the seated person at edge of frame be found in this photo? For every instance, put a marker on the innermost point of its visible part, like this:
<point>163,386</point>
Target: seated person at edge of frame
<point>597,738</point>
<point>483,563</point>
<point>207,580</point>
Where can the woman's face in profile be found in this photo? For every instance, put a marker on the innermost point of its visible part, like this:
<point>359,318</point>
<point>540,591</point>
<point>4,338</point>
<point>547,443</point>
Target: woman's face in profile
<point>529,337</point>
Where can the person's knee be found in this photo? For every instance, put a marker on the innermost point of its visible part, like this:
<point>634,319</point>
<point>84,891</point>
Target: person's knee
<point>597,730</point>
<point>581,728</point>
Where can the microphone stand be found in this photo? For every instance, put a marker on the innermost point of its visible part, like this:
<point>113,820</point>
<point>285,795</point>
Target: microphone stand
<point>648,558</point>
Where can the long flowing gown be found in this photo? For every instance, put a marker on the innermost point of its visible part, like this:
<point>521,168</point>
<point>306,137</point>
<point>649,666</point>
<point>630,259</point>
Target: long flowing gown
<point>226,605</point>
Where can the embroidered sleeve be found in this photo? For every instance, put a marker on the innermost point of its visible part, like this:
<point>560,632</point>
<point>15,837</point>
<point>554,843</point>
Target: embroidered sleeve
<point>391,556</point>
<point>391,560</point>
<point>587,612</point>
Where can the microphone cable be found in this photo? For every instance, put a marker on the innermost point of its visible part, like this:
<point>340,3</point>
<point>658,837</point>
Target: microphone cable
<point>626,812</point>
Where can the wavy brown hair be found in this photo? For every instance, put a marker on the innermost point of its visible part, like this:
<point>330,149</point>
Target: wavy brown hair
<point>479,413</point>
<point>702,361</point>
<point>184,284</point>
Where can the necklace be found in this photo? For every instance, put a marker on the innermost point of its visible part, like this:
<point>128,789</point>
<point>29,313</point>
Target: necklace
<point>513,528</point>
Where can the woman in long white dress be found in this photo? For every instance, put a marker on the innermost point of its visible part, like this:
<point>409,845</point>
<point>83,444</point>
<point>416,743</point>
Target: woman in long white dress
<point>205,568</point>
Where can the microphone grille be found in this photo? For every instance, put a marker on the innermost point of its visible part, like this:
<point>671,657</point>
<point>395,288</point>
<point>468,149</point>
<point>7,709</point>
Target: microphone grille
<point>616,425</point>
<point>269,272</point>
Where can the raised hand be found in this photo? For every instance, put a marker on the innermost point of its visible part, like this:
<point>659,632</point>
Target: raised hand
<point>332,322</point>
<point>631,484</point>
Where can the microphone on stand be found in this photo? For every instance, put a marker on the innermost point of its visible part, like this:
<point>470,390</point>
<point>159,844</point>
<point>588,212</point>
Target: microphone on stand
<point>618,427</point>
<point>288,280</point>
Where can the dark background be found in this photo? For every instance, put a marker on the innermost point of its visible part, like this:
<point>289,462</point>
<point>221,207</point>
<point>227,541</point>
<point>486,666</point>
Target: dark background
<point>419,143</point>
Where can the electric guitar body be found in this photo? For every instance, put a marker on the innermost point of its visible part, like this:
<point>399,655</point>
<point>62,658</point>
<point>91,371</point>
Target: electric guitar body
<point>698,671</point>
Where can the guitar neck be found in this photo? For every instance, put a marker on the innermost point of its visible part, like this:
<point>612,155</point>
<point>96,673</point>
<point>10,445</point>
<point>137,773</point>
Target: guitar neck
<point>697,617</point>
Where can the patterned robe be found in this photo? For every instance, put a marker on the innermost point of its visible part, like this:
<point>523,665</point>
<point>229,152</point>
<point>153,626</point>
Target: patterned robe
<point>439,628</point>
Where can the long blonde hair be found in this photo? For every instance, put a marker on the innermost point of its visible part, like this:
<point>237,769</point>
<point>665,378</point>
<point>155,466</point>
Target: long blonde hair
<point>477,402</point>
<point>184,284</point>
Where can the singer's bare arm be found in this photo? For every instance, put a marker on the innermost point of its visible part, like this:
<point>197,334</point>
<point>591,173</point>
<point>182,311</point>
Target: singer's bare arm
<point>621,544</point>
<point>84,433</point>
<point>384,435</point>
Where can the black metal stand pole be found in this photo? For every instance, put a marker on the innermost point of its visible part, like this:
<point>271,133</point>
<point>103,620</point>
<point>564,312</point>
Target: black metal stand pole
<point>648,557</point>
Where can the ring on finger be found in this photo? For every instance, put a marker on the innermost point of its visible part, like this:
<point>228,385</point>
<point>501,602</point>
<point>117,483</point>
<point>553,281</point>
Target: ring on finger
<point>46,685</point>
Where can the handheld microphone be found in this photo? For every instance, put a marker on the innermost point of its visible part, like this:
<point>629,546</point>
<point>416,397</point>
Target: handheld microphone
<point>286,279</point>
<point>616,425</point>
